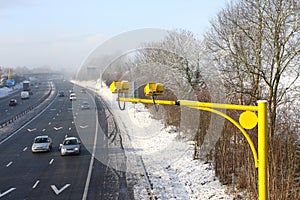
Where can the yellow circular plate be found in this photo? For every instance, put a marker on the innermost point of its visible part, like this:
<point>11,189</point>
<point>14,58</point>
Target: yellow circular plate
<point>248,120</point>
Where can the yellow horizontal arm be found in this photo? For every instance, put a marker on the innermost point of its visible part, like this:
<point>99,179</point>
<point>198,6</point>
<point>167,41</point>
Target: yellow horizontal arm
<point>191,104</point>
<point>149,101</point>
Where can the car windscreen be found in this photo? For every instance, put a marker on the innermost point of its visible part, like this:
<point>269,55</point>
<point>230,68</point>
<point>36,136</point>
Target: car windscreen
<point>40,140</point>
<point>70,142</point>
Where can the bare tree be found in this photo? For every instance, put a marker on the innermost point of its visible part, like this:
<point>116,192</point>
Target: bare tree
<point>256,45</point>
<point>178,59</point>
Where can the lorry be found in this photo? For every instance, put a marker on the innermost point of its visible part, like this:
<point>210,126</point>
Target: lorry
<point>26,85</point>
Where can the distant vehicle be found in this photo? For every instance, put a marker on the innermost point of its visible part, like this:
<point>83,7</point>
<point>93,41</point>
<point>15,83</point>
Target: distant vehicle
<point>13,102</point>
<point>73,97</point>
<point>41,143</point>
<point>70,145</point>
<point>85,105</point>
<point>26,85</point>
<point>24,95</point>
<point>61,94</point>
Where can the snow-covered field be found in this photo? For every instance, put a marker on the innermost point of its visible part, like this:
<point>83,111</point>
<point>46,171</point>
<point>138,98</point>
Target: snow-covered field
<point>169,162</point>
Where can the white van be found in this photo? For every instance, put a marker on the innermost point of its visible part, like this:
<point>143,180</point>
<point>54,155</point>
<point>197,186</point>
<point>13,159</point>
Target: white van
<point>73,97</point>
<point>24,95</point>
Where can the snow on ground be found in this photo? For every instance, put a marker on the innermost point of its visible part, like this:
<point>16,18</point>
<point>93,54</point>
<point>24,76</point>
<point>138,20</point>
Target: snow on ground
<point>172,171</point>
<point>5,90</point>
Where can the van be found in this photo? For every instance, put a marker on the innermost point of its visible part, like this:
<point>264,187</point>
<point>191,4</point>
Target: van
<point>72,97</point>
<point>24,95</point>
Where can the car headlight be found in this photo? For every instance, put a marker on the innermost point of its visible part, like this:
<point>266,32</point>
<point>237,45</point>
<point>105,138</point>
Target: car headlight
<point>76,149</point>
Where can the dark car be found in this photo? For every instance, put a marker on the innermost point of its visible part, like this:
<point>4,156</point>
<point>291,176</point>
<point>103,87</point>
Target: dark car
<point>12,102</point>
<point>85,105</point>
<point>61,94</point>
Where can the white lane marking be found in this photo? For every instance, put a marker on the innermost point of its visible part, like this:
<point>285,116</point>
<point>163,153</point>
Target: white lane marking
<point>9,164</point>
<point>72,122</point>
<point>53,109</point>
<point>55,128</point>
<point>49,123</point>
<point>44,130</point>
<point>25,148</point>
<point>84,126</point>
<point>6,192</point>
<point>70,128</point>
<point>51,161</point>
<point>53,118</point>
<point>54,188</point>
<point>30,130</point>
<point>88,179</point>
<point>36,184</point>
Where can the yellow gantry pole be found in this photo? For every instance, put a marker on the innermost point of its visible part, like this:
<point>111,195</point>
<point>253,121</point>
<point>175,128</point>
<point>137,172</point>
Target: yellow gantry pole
<point>262,151</point>
<point>260,157</point>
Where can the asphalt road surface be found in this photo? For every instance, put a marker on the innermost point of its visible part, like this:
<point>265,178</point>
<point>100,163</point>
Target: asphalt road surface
<point>27,175</point>
<point>39,90</point>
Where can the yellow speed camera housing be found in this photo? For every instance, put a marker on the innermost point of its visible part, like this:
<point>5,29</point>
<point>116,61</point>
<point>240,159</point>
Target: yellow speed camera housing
<point>119,86</point>
<point>154,89</point>
<point>125,87</point>
<point>115,86</point>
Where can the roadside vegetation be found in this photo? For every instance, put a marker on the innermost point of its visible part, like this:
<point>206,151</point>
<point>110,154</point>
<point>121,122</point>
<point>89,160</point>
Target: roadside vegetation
<point>255,45</point>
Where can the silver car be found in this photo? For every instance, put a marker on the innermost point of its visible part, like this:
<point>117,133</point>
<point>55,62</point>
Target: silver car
<point>70,145</point>
<point>41,143</point>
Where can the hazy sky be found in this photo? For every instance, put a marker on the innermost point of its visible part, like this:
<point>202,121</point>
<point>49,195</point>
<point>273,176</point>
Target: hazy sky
<point>62,33</point>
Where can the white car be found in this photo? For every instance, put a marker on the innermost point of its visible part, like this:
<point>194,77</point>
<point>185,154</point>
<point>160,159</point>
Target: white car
<point>41,144</point>
<point>70,145</point>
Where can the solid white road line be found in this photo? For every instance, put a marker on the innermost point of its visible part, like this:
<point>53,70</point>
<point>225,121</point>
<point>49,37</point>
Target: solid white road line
<point>88,179</point>
<point>6,192</point>
<point>51,161</point>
